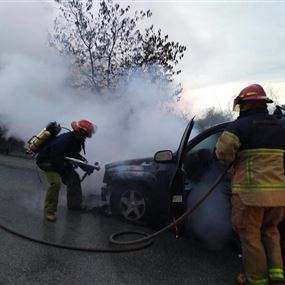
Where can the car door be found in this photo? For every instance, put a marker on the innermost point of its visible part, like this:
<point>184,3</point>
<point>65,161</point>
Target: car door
<point>194,157</point>
<point>210,223</point>
<point>177,182</point>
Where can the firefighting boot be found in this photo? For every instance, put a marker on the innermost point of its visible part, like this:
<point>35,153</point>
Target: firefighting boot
<point>51,217</point>
<point>241,279</point>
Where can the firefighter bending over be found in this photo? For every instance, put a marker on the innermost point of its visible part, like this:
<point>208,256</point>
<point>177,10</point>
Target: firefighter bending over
<point>255,143</point>
<point>51,160</point>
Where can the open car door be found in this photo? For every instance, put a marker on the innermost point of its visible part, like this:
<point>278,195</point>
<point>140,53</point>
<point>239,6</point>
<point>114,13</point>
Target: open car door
<point>177,199</point>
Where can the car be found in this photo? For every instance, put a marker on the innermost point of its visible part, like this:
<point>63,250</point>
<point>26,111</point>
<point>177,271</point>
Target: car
<point>157,190</point>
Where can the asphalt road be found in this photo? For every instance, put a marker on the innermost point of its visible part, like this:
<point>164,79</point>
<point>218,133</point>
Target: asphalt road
<point>167,261</point>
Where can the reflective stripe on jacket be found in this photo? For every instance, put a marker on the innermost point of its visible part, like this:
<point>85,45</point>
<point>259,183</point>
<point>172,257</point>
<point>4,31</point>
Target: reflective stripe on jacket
<point>256,144</point>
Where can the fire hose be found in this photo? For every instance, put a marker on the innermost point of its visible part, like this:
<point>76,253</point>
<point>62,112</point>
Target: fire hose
<point>126,246</point>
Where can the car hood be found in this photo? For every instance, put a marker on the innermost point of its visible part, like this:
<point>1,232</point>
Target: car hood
<point>134,170</point>
<point>140,162</point>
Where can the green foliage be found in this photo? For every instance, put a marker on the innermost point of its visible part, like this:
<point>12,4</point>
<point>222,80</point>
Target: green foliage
<point>106,44</point>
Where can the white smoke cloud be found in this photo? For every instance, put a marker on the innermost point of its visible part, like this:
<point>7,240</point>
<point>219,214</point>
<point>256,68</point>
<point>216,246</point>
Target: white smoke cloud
<point>34,92</point>
<point>211,221</point>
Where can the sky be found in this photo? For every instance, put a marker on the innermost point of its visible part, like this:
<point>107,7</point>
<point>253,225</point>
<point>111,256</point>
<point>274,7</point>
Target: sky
<point>230,44</point>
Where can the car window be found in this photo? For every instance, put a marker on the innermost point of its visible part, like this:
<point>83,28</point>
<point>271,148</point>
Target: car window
<point>208,143</point>
<point>200,157</point>
<point>202,169</point>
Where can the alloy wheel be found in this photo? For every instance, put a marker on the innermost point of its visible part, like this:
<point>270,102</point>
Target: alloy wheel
<point>132,205</point>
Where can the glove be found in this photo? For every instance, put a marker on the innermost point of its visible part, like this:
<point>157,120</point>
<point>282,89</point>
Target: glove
<point>90,171</point>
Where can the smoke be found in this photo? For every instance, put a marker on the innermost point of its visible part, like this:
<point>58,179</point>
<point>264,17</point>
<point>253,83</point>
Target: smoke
<point>34,92</point>
<point>211,222</point>
<point>130,125</point>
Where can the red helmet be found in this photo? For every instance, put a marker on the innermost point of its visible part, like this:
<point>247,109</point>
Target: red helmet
<point>253,92</point>
<point>85,127</point>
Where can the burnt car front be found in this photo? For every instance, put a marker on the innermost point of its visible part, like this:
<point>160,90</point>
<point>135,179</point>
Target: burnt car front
<point>137,190</point>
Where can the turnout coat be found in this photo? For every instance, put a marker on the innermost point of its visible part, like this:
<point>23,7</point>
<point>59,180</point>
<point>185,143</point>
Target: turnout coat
<point>255,142</point>
<point>51,156</point>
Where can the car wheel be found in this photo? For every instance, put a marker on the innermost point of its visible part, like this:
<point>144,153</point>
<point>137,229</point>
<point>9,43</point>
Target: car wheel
<point>132,203</point>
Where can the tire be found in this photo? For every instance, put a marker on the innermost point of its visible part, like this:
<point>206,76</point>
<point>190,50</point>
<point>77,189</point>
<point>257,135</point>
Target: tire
<point>132,203</point>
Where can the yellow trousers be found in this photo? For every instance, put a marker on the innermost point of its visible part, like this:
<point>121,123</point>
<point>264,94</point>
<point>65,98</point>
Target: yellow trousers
<point>74,192</point>
<point>260,239</point>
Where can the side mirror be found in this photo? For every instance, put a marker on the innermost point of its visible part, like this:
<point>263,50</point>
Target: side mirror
<point>163,156</point>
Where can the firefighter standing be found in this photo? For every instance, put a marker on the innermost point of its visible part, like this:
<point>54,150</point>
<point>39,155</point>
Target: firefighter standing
<point>255,143</point>
<point>51,160</point>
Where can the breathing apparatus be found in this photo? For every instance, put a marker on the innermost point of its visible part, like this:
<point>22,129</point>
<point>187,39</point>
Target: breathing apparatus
<point>36,142</point>
<point>83,128</point>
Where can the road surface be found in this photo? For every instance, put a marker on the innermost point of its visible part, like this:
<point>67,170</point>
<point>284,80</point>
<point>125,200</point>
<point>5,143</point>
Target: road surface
<point>22,262</point>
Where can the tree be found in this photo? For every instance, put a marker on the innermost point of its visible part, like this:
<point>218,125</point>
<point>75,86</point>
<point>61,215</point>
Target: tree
<point>106,44</point>
<point>213,117</point>
<point>10,144</point>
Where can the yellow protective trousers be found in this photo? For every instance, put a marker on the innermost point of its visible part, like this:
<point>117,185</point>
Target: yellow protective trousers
<point>74,192</point>
<point>260,240</point>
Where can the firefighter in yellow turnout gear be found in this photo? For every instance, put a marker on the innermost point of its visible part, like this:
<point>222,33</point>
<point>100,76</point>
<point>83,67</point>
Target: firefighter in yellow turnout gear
<point>255,142</point>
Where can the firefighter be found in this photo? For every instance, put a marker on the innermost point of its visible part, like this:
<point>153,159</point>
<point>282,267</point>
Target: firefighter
<point>255,143</point>
<point>51,160</point>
